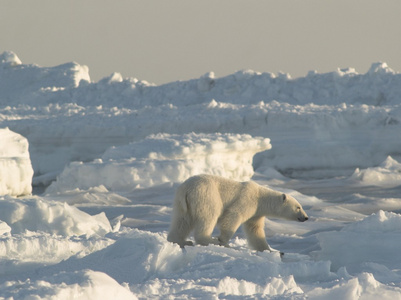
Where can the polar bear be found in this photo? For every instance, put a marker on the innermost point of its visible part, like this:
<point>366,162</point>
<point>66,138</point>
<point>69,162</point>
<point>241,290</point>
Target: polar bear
<point>204,201</point>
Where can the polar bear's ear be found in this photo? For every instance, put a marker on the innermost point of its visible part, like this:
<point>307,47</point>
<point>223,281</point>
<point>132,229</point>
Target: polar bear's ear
<point>284,197</point>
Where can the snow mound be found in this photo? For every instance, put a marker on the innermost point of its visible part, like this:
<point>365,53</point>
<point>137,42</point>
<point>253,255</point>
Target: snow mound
<point>82,285</point>
<point>15,165</point>
<point>134,258</point>
<point>36,214</point>
<point>365,286</point>
<point>4,228</point>
<point>277,286</point>
<point>154,267</point>
<point>24,84</point>
<point>225,288</point>
<point>189,146</point>
<point>29,250</point>
<point>165,158</point>
<point>380,222</point>
<point>9,59</point>
<point>371,240</point>
<point>387,174</point>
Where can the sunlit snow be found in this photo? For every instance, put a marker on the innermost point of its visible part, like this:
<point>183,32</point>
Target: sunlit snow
<point>88,172</point>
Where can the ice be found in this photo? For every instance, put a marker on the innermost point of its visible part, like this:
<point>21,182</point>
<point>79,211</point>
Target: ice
<point>365,286</point>
<point>164,158</point>
<point>15,165</point>
<point>371,240</point>
<point>155,268</point>
<point>38,231</point>
<point>79,285</point>
<point>387,174</point>
<point>108,156</point>
<point>37,214</point>
<point>9,59</point>
<point>277,286</point>
<point>26,84</point>
<point>45,248</point>
<point>4,228</point>
<point>342,119</point>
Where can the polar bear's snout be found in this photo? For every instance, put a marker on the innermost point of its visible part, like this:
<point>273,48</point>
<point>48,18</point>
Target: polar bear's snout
<point>302,216</point>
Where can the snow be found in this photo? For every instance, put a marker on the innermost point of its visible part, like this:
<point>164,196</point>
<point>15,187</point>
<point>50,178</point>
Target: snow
<point>79,285</point>
<point>165,158</point>
<point>35,214</point>
<point>105,158</point>
<point>387,174</point>
<point>378,233</point>
<point>15,166</point>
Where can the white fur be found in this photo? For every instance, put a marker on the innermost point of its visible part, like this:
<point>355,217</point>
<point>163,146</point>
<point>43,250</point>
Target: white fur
<point>204,201</point>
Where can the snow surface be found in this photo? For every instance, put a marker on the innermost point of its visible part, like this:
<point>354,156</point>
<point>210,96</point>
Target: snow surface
<point>107,157</point>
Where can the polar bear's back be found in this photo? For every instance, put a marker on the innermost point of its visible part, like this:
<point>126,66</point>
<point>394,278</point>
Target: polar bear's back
<point>212,184</point>
<point>205,192</point>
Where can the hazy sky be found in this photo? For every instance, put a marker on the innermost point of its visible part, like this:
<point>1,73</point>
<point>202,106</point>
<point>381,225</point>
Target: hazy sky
<point>163,41</point>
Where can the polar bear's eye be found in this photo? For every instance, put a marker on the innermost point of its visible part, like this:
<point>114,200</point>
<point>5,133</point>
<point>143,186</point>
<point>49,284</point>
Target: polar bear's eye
<point>298,208</point>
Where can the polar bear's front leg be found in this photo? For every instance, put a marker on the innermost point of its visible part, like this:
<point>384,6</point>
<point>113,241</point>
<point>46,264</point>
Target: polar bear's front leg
<point>255,234</point>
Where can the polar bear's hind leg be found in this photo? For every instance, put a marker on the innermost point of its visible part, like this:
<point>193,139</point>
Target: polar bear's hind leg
<point>204,229</point>
<point>179,231</point>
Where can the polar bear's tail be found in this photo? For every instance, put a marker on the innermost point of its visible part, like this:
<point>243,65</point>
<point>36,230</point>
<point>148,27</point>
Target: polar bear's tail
<point>181,222</point>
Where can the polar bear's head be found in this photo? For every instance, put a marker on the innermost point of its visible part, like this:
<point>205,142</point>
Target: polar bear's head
<point>291,209</point>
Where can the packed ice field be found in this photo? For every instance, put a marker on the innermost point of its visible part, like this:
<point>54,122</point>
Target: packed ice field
<point>88,173</point>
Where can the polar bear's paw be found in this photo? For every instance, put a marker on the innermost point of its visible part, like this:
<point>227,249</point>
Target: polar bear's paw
<point>187,243</point>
